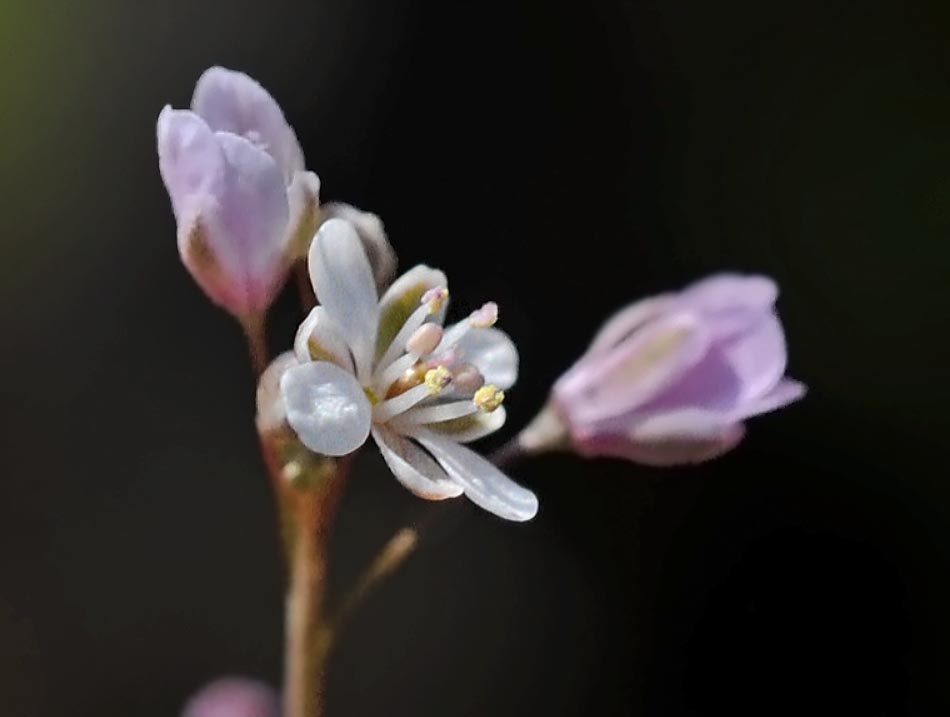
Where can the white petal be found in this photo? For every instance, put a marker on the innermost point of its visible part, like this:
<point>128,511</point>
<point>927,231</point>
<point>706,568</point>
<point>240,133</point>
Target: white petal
<point>373,235</point>
<point>471,428</point>
<point>344,284</point>
<point>326,407</point>
<point>271,411</point>
<point>319,339</point>
<point>414,468</point>
<point>402,299</point>
<point>484,484</point>
<point>303,195</point>
<point>493,353</point>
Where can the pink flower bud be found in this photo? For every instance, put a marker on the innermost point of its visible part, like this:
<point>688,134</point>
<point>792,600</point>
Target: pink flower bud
<point>235,174</point>
<point>671,379</point>
<point>233,697</point>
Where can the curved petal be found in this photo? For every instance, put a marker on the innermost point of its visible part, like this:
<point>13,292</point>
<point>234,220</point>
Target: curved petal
<point>785,392</point>
<point>413,467</point>
<point>757,356</point>
<point>303,195</point>
<point>189,159</point>
<point>373,235</point>
<point>472,427</point>
<point>319,339</point>
<point>326,407</point>
<point>344,284</point>
<point>622,324</point>
<point>247,227</point>
<point>676,438</point>
<point>403,298</point>
<point>493,353</point>
<point>233,102</point>
<point>725,292</point>
<point>632,374</point>
<point>484,484</point>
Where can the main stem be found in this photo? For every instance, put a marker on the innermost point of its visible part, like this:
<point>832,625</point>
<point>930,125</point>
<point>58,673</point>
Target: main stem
<point>307,638</point>
<point>308,633</point>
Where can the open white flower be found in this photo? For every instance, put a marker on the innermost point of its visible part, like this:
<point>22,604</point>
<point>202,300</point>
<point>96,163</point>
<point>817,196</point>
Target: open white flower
<point>388,368</point>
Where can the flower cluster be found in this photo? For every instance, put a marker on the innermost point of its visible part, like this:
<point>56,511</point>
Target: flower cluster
<point>668,380</point>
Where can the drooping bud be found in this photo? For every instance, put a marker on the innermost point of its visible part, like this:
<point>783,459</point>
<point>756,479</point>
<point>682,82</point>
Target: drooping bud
<point>670,380</point>
<point>231,206</point>
<point>233,697</point>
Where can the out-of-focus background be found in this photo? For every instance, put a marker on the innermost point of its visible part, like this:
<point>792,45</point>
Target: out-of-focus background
<point>561,159</point>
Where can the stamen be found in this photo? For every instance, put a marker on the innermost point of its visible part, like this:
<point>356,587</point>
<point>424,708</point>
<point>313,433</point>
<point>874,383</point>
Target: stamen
<point>468,379</point>
<point>485,316</point>
<point>386,378</point>
<point>435,380</point>
<point>488,398</point>
<point>442,412</point>
<point>398,345</point>
<point>435,299</point>
<point>424,339</point>
<point>410,379</point>
<point>479,319</point>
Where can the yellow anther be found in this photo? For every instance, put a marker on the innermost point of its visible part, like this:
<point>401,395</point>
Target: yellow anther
<point>437,378</point>
<point>435,299</point>
<point>484,317</point>
<point>488,398</point>
<point>373,400</point>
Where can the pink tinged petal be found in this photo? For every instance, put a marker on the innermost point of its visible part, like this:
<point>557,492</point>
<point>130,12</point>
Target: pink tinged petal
<point>233,102</point>
<point>726,292</point>
<point>677,438</point>
<point>622,380</point>
<point>326,407</point>
<point>757,356</point>
<point>233,697</point>
<point>785,392</point>
<point>484,484</point>
<point>344,284</point>
<point>303,195</point>
<point>319,339</point>
<point>189,159</point>
<point>622,325</point>
<point>414,468</point>
<point>493,353</point>
<point>246,227</point>
<point>373,235</point>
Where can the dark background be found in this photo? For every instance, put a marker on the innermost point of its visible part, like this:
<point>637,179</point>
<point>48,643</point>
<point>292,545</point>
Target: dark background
<point>562,159</point>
